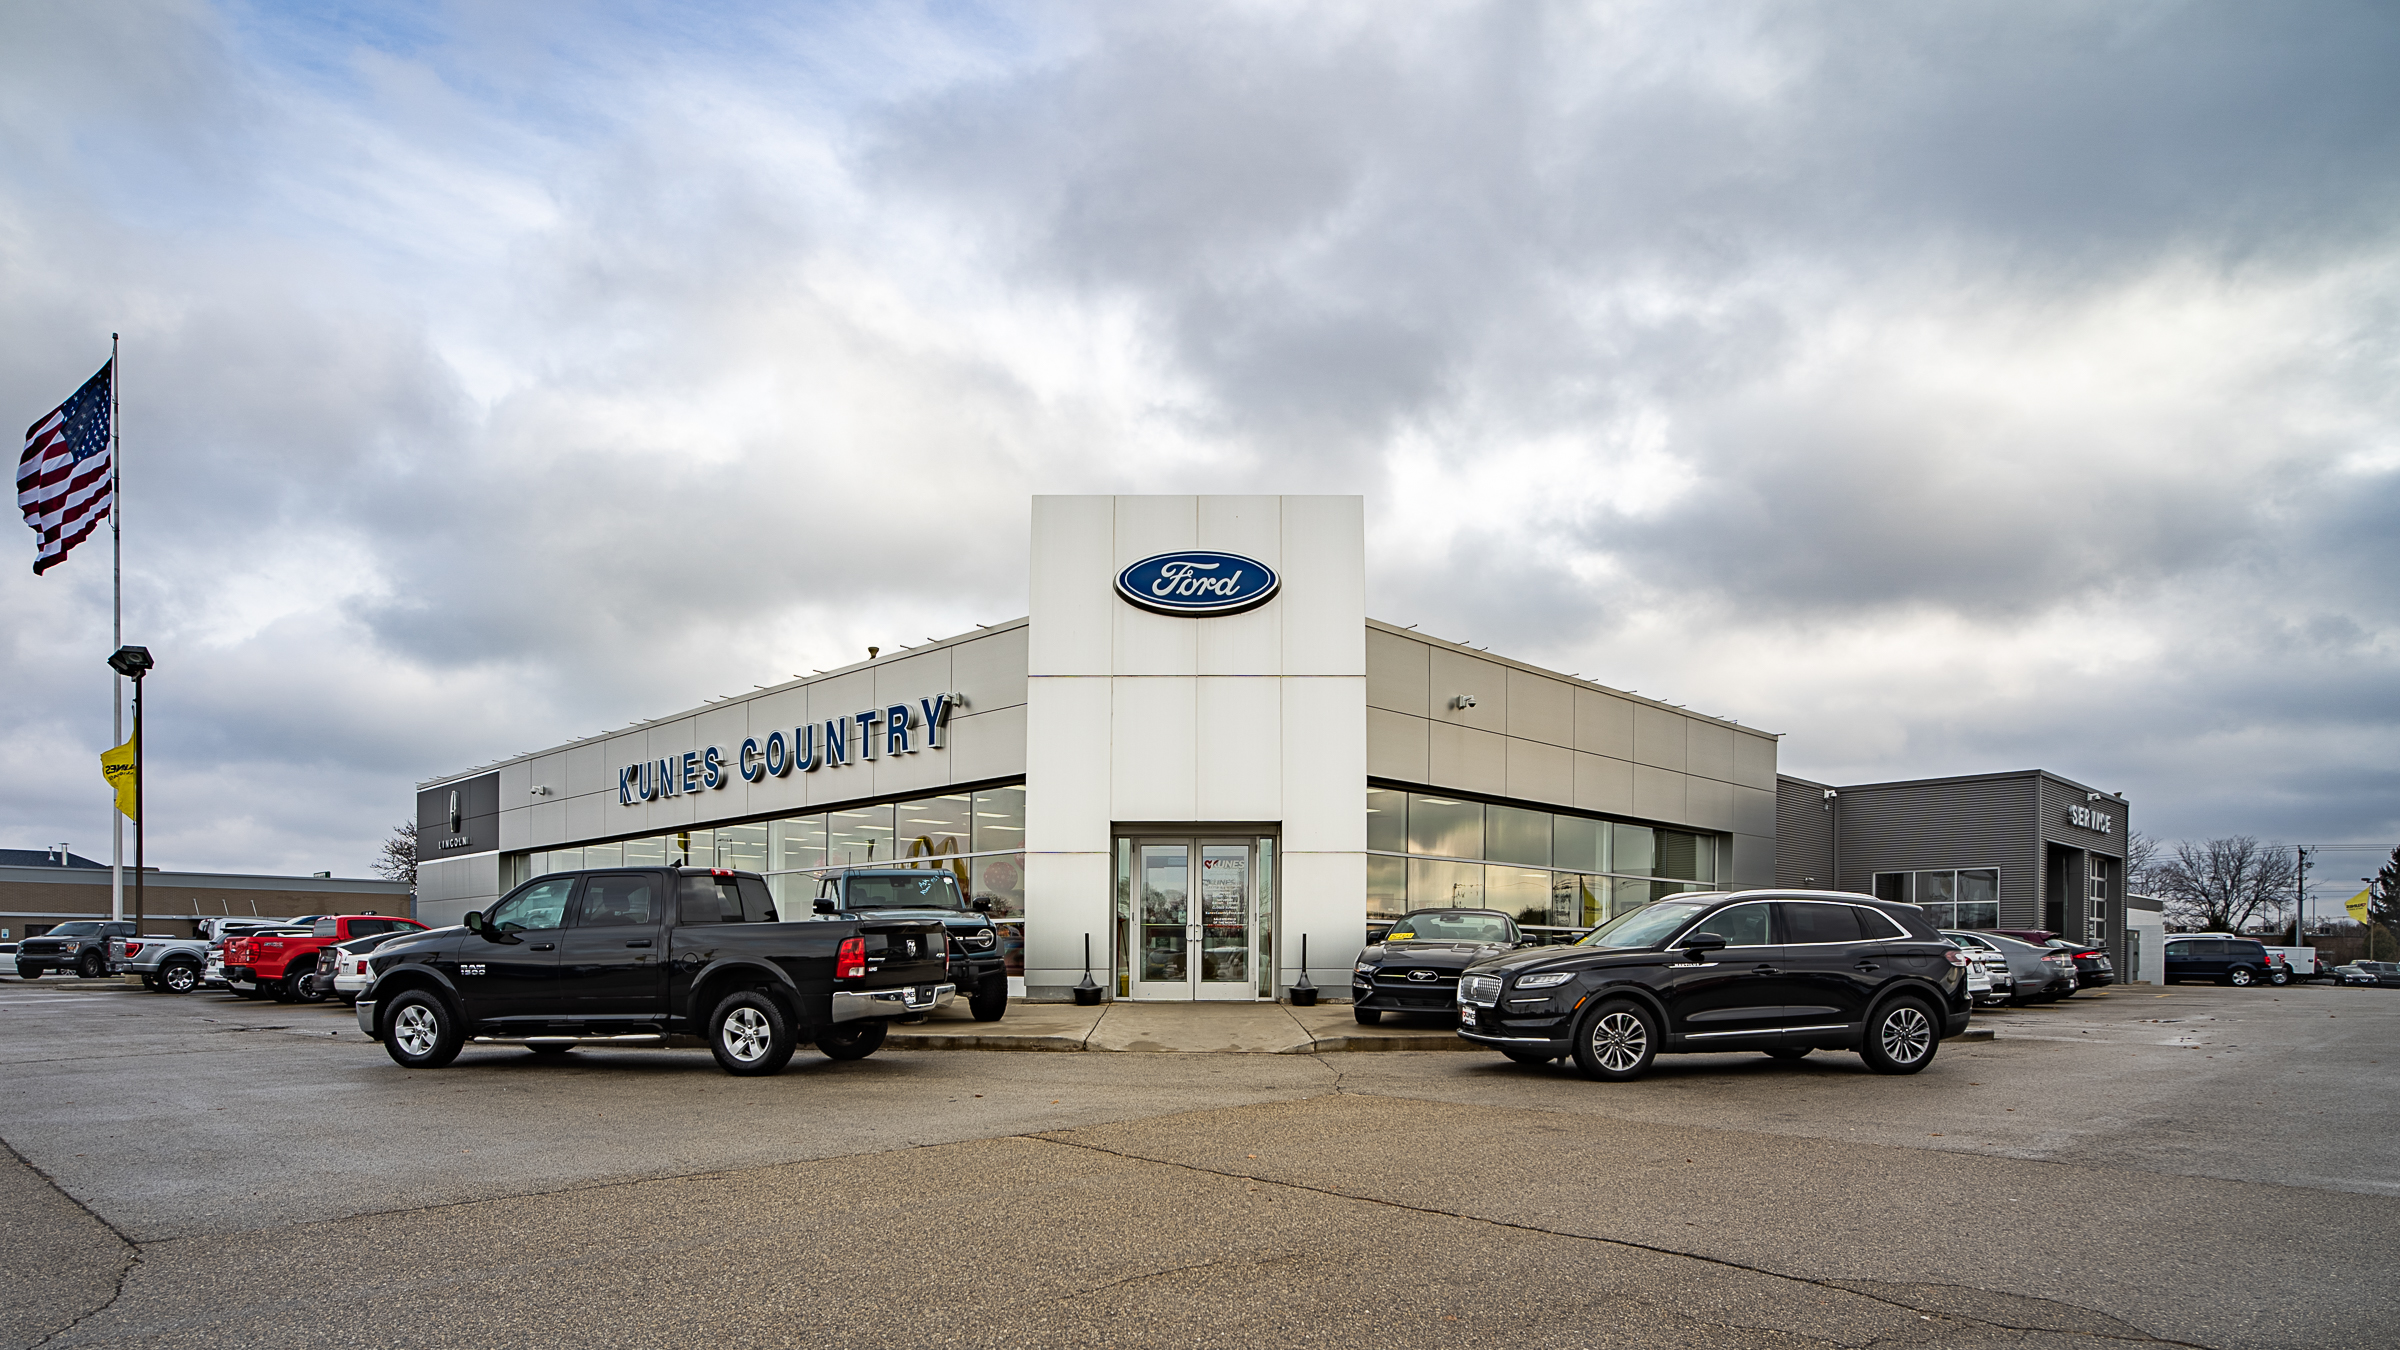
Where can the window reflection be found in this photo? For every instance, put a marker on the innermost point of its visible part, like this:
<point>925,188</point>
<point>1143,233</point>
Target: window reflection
<point>1445,827</point>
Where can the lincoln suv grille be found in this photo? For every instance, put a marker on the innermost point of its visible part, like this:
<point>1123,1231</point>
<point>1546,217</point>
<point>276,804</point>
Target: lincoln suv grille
<point>1479,989</point>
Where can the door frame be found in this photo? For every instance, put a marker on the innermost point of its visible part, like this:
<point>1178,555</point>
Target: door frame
<point>1262,840</point>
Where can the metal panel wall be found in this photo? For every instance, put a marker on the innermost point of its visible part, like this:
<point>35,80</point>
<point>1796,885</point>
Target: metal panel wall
<point>1803,833</point>
<point>1981,821</point>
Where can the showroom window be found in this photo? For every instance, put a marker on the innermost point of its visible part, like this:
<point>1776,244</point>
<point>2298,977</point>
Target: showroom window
<point>979,836</point>
<point>1552,870</point>
<point>1964,897</point>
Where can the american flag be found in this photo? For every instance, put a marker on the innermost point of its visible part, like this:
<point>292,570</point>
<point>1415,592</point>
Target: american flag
<point>64,486</point>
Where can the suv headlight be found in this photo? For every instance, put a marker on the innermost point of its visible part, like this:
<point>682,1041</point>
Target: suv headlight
<point>1554,978</point>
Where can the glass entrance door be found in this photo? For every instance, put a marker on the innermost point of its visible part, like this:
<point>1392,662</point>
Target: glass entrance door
<point>1195,917</point>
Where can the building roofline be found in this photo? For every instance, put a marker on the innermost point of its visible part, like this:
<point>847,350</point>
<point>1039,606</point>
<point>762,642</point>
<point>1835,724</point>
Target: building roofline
<point>981,631</point>
<point>1528,667</point>
<point>218,881</point>
<point>1966,778</point>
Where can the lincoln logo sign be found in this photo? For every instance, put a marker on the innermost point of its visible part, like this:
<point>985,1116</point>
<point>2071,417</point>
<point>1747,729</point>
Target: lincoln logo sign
<point>1198,583</point>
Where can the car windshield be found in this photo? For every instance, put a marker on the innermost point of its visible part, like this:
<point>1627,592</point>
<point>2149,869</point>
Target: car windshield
<point>1645,927</point>
<point>921,890</point>
<point>1453,926</point>
<point>75,930</point>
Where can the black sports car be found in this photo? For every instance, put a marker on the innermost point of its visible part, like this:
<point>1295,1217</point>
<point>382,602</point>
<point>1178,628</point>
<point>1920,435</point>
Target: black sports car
<point>1414,968</point>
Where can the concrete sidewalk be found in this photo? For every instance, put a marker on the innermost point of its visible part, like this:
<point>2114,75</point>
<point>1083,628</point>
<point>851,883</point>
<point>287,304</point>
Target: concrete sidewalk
<point>1154,1028</point>
<point>1191,1028</point>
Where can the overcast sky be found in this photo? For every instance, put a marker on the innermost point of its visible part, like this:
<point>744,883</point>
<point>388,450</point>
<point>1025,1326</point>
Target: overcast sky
<point>1952,388</point>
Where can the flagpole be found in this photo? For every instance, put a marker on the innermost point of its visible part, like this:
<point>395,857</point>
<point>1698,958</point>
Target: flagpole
<point>116,548</point>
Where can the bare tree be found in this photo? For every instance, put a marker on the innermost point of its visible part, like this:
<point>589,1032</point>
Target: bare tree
<point>398,861</point>
<point>2226,885</point>
<point>2141,863</point>
<point>2383,909</point>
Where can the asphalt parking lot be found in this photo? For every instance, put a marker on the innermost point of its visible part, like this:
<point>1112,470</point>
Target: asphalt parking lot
<point>2195,1166</point>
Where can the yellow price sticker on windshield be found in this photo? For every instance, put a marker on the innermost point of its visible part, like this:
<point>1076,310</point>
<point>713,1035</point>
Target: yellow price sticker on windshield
<point>1398,933</point>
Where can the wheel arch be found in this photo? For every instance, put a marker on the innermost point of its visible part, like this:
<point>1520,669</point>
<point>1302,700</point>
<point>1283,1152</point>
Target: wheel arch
<point>1924,991</point>
<point>1639,993</point>
<point>711,986</point>
<point>407,980</point>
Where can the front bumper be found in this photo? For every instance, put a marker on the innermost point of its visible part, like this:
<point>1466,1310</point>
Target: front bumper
<point>849,1005</point>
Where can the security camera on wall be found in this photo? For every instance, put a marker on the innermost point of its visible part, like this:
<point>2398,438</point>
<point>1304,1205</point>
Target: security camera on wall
<point>1463,701</point>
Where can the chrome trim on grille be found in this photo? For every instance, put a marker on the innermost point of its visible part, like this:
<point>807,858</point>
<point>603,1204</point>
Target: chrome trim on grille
<point>1481,990</point>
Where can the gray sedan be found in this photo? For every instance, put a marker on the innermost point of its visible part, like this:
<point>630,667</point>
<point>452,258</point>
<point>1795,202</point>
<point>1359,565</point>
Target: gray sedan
<point>2043,974</point>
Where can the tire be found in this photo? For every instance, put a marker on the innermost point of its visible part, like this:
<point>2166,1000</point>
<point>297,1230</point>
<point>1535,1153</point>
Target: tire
<point>280,990</point>
<point>1367,1017</point>
<point>990,1003</point>
<point>1901,1037</point>
<point>89,966</point>
<point>420,1031</point>
<point>1790,1052</point>
<point>2278,978</point>
<point>1528,1056</point>
<point>855,1041</point>
<point>303,984</point>
<point>1616,1041</point>
<point>2240,977</point>
<point>752,1036</point>
<point>179,977</point>
<point>25,972</point>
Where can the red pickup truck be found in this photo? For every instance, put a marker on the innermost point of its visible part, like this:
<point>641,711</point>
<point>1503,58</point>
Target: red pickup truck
<point>277,965</point>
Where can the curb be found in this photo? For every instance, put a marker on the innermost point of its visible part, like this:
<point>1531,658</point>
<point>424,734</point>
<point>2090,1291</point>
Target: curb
<point>1977,1034</point>
<point>1340,1044</point>
<point>970,1040</point>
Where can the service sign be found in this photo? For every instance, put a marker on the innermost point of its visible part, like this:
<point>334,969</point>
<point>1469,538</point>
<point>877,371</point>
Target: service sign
<point>1197,583</point>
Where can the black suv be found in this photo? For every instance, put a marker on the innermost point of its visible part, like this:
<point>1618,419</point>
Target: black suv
<point>80,946</point>
<point>2219,960</point>
<point>1785,972</point>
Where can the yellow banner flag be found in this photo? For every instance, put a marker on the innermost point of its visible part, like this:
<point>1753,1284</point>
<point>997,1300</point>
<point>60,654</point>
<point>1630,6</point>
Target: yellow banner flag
<point>117,767</point>
<point>2358,905</point>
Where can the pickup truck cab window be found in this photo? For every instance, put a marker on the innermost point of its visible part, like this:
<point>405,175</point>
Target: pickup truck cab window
<point>618,900</point>
<point>540,906</point>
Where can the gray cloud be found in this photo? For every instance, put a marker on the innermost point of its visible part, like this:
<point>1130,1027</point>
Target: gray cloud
<point>1953,389</point>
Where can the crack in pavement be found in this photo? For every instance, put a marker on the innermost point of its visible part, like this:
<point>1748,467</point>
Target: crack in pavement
<point>2137,1336</point>
<point>133,1249</point>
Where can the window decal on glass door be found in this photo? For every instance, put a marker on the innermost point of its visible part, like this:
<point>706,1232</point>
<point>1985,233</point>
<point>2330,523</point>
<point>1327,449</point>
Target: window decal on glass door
<point>1224,913</point>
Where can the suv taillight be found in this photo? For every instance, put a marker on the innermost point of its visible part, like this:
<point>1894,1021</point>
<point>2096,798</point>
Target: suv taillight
<point>850,962</point>
<point>1955,957</point>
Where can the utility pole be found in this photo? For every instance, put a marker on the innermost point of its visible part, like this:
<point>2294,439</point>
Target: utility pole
<point>2300,899</point>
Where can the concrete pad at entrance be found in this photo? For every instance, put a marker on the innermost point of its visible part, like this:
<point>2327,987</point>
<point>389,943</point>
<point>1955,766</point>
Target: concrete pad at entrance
<point>1173,1028</point>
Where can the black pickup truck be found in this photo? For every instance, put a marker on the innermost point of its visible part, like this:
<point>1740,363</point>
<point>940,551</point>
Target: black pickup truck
<point>977,965</point>
<point>652,957</point>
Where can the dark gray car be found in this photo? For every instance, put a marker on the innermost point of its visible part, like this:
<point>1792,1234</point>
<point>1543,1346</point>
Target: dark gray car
<point>2043,974</point>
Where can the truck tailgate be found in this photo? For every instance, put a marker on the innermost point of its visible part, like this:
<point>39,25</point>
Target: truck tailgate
<point>904,952</point>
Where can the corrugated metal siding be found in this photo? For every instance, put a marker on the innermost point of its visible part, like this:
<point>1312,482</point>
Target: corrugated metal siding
<point>1803,833</point>
<point>2106,855</point>
<point>1972,822</point>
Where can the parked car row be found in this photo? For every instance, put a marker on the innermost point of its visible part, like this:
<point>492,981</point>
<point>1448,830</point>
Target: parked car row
<point>2375,974</point>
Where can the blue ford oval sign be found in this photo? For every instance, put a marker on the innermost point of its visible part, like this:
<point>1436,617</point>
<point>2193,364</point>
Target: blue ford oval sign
<point>1197,583</point>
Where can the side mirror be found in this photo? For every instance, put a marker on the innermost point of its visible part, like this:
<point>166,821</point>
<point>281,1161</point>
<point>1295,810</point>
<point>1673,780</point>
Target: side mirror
<point>1702,942</point>
<point>473,921</point>
<point>825,905</point>
<point>982,906</point>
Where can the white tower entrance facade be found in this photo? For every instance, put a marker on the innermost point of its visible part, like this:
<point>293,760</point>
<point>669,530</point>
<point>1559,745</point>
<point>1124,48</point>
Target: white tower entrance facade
<point>1195,782</point>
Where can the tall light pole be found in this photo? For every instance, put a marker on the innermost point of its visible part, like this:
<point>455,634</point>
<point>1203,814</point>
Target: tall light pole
<point>134,663</point>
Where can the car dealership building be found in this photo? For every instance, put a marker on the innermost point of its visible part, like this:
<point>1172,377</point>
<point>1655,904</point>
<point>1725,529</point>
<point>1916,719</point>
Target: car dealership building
<point>1195,758</point>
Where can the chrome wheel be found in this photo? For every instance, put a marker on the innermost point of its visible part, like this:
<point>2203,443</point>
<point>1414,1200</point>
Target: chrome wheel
<point>415,1029</point>
<point>2241,975</point>
<point>179,978</point>
<point>1619,1041</point>
<point>1907,1034</point>
<point>745,1034</point>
